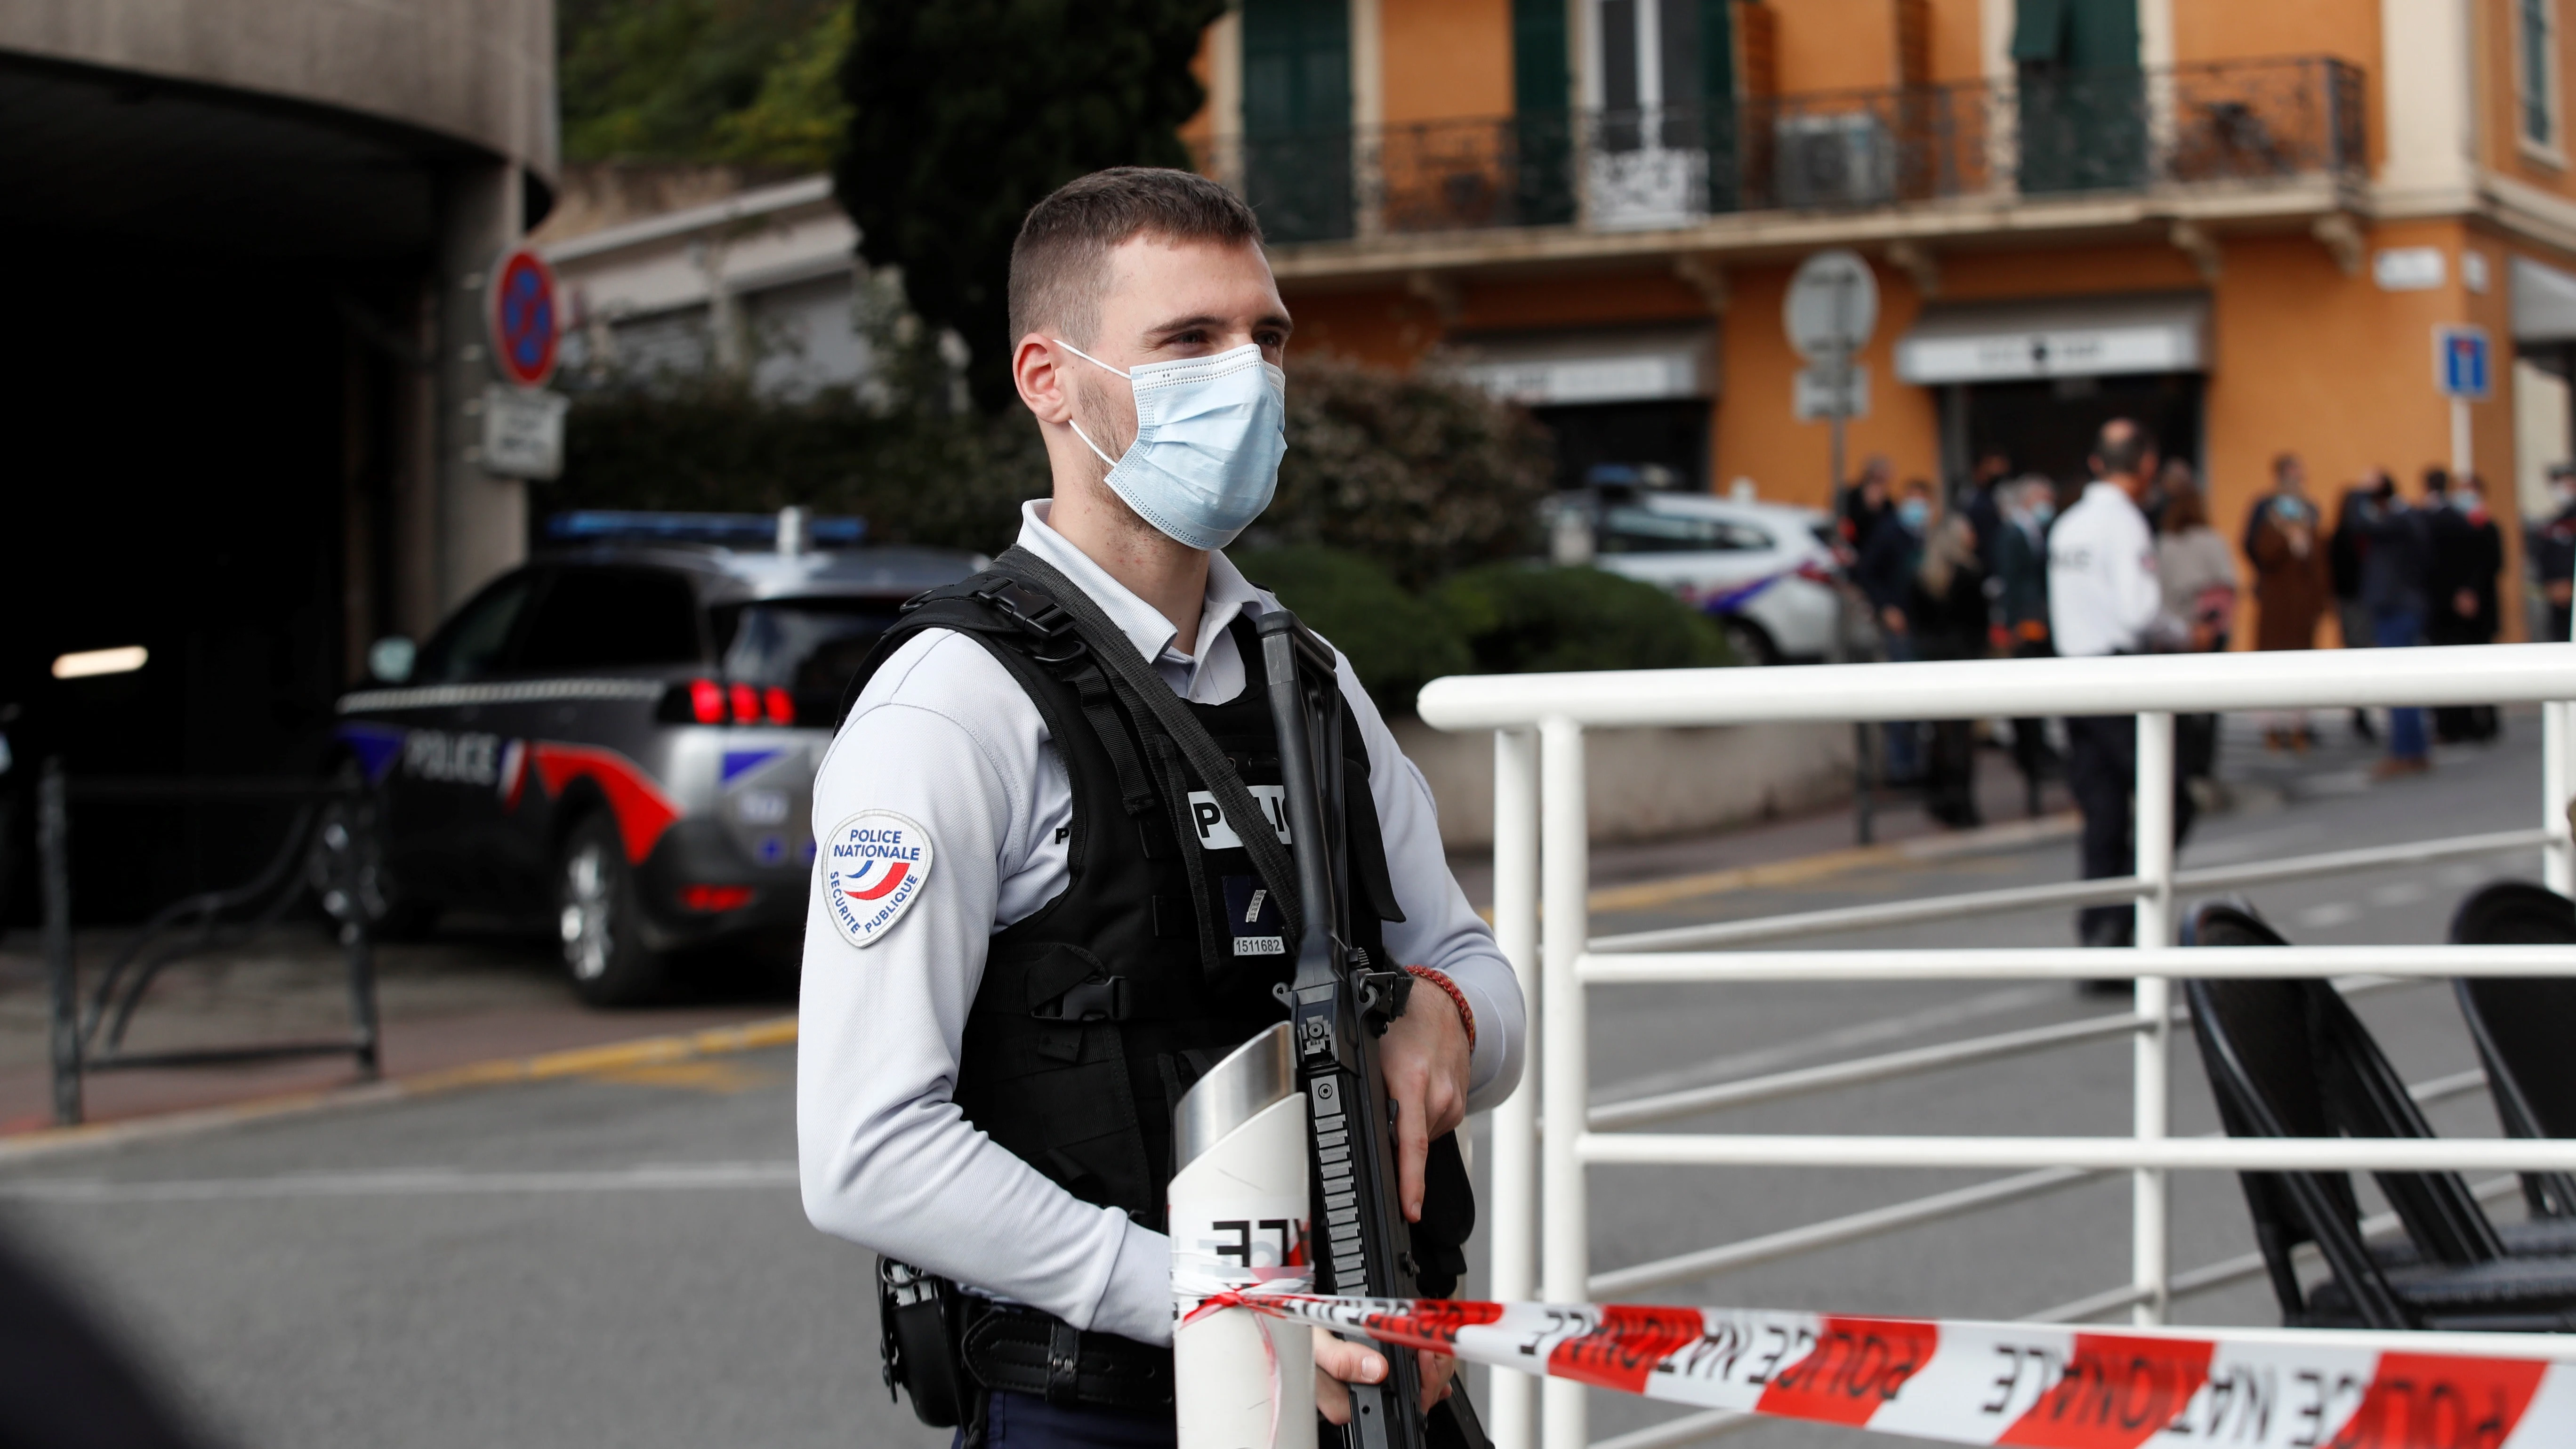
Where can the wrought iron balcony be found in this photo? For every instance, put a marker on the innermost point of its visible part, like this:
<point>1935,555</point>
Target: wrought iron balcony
<point>2233,124</point>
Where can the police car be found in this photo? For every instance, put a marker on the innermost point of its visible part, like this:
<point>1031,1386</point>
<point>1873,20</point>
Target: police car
<point>621,736</point>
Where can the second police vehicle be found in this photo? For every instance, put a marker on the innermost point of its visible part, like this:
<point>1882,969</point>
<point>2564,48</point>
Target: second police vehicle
<point>621,735</point>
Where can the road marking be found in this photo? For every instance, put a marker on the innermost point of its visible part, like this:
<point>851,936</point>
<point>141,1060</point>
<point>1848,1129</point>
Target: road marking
<point>407,1182</point>
<point>2332,913</point>
<point>548,1066</point>
<point>2399,893</point>
<point>1858,1034</point>
<point>717,1075</point>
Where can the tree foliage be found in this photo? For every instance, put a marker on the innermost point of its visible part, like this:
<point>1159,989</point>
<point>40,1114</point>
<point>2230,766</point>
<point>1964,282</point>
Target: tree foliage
<point>747,81</point>
<point>710,445</point>
<point>964,114</point>
<point>1422,472</point>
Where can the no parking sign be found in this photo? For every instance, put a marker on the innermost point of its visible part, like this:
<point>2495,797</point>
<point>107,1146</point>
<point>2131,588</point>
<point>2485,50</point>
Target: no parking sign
<point>526,317</point>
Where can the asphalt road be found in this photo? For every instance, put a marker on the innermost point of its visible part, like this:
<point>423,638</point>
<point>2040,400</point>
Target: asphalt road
<point>620,1258</point>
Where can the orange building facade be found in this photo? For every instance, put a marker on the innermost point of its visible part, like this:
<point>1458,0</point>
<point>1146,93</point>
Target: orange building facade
<point>2241,222</point>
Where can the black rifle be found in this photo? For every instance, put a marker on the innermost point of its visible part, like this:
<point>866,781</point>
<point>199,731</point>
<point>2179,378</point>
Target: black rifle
<point>1339,1004</point>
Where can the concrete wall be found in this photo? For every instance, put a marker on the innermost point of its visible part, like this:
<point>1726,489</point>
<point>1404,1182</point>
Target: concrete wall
<point>1648,783</point>
<point>481,71</point>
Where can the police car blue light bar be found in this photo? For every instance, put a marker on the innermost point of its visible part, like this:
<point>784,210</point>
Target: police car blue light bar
<point>603,525</point>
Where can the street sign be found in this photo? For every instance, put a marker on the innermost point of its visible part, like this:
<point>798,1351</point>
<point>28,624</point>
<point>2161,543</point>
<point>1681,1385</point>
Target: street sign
<point>2462,363</point>
<point>1832,305</point>
<point>526,317</point>
<point>1830,390</point>
<point>523,431</point>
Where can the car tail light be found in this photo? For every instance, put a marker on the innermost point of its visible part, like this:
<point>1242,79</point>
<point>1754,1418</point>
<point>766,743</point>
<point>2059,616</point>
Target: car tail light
<point>712,702</point>
<point>695,701</point>
<point>712,898</point>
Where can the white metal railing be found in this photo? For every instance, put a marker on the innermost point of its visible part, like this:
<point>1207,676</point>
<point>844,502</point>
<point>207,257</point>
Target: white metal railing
<point>1540,1199</point>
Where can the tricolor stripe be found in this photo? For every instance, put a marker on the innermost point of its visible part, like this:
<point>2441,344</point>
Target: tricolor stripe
<point>2006,1383</point>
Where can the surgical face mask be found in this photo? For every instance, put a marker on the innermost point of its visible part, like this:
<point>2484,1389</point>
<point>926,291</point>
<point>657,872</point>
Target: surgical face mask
<point>1915,513</point>
<point>1209,435</point>
<point>2042,513</point>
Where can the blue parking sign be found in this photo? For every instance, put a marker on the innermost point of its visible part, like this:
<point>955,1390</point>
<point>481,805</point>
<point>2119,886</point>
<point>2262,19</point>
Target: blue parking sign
<point>2461,363</point>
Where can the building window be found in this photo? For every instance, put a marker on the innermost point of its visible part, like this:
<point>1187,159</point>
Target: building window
<point>2537,30</point>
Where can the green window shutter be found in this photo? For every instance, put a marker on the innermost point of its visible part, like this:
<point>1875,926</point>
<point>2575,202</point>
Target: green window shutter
<point>1297,117</point>
<point>1717,49</point>
<point>1540,76</point>
<point>2039,30</point>
<point>1296,66</point>
<point>2103,34</point>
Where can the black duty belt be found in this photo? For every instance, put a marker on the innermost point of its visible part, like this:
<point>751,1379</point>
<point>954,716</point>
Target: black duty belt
<point>1016,1351</point>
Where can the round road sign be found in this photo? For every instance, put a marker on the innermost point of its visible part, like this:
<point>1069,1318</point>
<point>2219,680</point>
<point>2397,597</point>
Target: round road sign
<point>1832,305</point>
<point>526,317</point>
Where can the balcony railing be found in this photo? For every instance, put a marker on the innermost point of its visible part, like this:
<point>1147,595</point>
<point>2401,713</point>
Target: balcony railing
<point>2049,133</point>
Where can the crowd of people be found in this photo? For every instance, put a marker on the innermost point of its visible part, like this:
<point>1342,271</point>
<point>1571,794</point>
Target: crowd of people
<point>1966,573</point>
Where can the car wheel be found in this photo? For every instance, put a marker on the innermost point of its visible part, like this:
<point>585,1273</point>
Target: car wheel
<point>596,914</point>
<point>1747,642</point>
<point>345,866</point>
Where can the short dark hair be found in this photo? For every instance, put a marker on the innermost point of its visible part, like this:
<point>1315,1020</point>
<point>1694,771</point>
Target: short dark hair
<point>2122,445</point>
<point>1066,239</point>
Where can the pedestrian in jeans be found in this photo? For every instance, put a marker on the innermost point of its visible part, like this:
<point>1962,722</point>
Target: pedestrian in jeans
<point>2103,598</point>
<point>2198,576</point>
<point>2293,583</point>
<point>2394,565</point>
<point>2020,589</point>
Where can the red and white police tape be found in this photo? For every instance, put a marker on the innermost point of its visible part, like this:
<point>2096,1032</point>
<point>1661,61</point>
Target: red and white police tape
<point>2004,1383</point>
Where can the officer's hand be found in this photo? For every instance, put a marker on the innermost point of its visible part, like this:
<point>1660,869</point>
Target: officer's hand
<point>1339,1362</point>
<point>1424,1056</point>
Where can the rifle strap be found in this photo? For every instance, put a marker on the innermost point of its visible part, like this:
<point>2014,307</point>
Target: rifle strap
<point>1110,645</point>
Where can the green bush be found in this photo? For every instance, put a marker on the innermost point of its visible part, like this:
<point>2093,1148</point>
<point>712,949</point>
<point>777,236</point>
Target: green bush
<point>1396,642</point>
<point>1519,619</point>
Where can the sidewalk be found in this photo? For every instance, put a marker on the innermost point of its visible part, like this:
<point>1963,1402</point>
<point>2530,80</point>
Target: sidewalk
<point>465,997</point>
<point>1820,842</point>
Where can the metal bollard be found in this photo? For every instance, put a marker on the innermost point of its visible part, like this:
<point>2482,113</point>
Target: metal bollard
<point>1238,1217</point>
<point>53,847</point>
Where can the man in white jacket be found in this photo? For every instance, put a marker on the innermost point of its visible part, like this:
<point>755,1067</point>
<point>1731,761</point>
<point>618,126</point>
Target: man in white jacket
<point>2104,598</point>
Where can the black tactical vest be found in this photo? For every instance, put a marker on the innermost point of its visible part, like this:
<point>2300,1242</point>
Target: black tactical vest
<point>1159,957</point>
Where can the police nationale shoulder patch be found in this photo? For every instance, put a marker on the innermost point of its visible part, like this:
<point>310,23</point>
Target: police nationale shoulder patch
<point>874,866</point>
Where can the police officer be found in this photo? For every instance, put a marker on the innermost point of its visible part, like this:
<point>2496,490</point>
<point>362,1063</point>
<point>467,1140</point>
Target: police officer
<point>2104,598</point>
<point>1032,927</point>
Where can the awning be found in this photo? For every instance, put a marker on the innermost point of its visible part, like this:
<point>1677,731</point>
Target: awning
<point>2058,337</point>
<point>2544,303</point>
<point>1593,366</point>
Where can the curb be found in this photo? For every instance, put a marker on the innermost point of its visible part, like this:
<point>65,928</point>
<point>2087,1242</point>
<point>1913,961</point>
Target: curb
<point>1646,895</point>
<point>545,1066</point>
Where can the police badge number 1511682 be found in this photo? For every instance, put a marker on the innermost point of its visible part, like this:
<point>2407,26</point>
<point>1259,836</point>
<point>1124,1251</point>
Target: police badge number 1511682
<point>874,865</point>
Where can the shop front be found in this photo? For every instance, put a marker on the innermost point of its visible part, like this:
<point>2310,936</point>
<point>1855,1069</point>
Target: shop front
<point>1623,404</point>
<point>2033,381</point>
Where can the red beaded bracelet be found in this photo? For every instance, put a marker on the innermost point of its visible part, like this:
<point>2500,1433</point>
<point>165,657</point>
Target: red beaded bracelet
<point>1466,1013</point>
